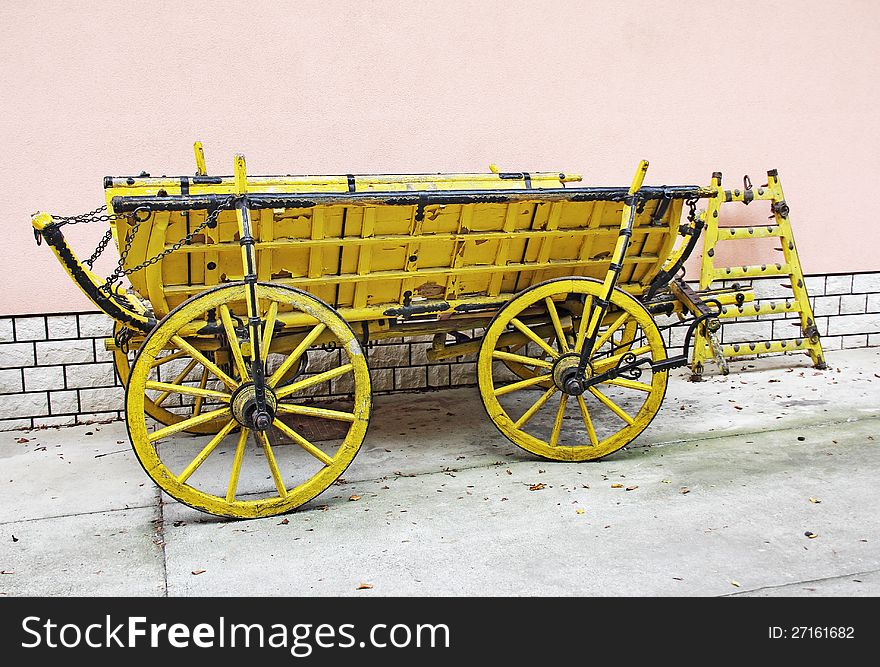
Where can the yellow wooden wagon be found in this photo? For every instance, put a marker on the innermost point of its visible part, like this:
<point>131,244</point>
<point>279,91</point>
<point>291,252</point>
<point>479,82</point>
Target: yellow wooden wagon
<point>249,296</point>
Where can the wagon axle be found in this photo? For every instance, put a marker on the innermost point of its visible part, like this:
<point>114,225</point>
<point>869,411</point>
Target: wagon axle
<point>566,376</point>
<point>247,410</point>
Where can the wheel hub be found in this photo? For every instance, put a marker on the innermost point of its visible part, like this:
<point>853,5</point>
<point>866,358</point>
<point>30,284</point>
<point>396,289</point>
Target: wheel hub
<point>565,374</point>
<point>245,410</point>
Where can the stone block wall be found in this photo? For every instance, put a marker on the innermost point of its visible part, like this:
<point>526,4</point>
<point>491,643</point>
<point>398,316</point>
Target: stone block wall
<point>54,369</point>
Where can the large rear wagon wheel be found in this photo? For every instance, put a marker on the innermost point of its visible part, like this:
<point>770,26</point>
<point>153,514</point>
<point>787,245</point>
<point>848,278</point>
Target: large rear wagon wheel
<point>536,413</point>
<point>239,471</point>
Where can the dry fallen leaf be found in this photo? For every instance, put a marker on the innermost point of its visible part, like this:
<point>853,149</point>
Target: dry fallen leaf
<point>811,534</point>
<point>735,583</point>
<point>363,587</point>
<point>354,497</point>
<point>537,487</point>
<point>284,522</point>
<point>684,489</point>
<point>632,488</point>
<point>580,510</point>
<point>617,486</point>
<point>199,571</point>
<point>22,440</point>
<point>815,501</point>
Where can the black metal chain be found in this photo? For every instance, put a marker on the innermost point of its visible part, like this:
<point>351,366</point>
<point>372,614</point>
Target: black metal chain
<point>89,217</point>
<point>134,219</point>
<point>120,271</point>
<point>102,245</point>
<point>692,208</point>
<point>121,337</point>
<point>86,218</point>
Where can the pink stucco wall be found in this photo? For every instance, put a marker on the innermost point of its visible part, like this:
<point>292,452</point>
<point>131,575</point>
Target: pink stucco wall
<point>91,89</point>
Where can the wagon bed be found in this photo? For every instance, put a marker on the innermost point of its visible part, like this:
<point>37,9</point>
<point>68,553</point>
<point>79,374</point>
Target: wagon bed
<point>429,245</point>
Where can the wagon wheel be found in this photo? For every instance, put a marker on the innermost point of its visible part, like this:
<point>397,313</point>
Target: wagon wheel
<point>548,421</point>
<point>156,403</point>
<point>525,372</point>
<point>241,471</point>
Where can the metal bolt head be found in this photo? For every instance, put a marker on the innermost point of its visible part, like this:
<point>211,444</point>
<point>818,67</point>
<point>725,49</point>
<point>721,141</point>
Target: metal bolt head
<point>262,421</point>
<point>574,387</point>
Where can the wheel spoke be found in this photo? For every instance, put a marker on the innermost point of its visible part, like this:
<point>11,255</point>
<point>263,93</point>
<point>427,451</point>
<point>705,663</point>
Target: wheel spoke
<point>273,464</point>
<point>522,384</point>
<point>167,358</point>
<point>236,466</point>
<point>206,452</point>
<point>203,382</point>
<point>629,384</point>
<point>176,381</point>
<point>586,314</point>
<point>557,325</point>
<point>294,356</point>
<point>609,332</point>
<point>269,330</point>
<point>187,423</point>
<point>312,380</point>
<point>520,359</point>
<point>557,423</point>
<point>204,361</point>
<point>310,411</point>
<point>234,345</point>
<point>302,442</point>
<point>528,414</point>
<point>522,328</point>
<point>185,389</point>
<point>591,430</point>
<point>611,405</point>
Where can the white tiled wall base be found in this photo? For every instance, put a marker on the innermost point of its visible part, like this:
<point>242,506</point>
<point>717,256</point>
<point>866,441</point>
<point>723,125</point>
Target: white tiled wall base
<point>55,371</point>
<point>846,308</point>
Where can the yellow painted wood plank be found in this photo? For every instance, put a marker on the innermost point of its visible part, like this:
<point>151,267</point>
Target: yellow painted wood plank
<point>316,254</point>
<point>365,256</point>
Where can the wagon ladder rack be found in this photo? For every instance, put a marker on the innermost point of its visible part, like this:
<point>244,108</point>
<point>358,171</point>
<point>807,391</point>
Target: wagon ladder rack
<point>706,344</point>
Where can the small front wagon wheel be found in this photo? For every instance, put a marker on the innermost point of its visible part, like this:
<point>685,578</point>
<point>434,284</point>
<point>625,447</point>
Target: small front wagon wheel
<point>241,471</point>
<point>544,414</point>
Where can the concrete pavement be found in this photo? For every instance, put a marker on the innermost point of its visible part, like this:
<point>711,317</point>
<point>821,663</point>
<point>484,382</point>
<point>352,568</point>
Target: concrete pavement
<point>728,479</point>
